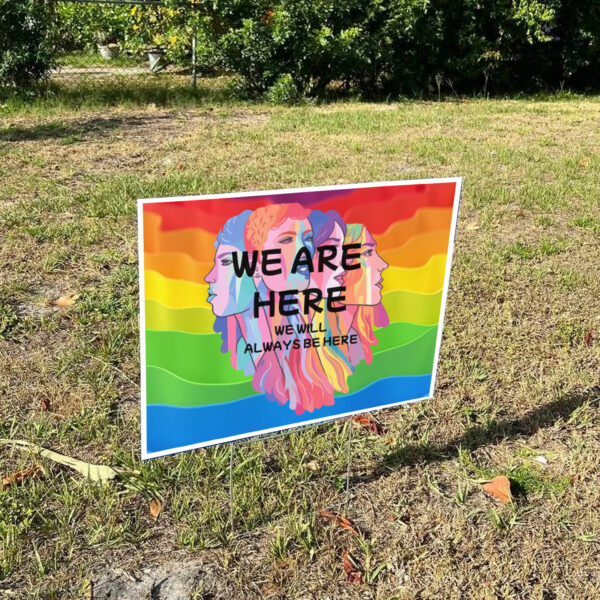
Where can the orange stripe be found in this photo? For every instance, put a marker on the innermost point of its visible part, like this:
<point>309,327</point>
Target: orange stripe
<point>197,243</point>
<point>177,266</point>
<point>425,220</point>
<point>418,250</point>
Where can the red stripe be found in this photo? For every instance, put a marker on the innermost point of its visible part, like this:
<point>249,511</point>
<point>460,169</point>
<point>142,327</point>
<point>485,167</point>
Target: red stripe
<point>376,207</point>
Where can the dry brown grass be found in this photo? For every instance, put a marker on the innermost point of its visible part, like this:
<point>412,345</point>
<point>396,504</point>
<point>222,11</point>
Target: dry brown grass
<point>519,370</point>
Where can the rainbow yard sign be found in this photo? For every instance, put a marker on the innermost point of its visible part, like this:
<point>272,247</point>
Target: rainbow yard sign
<point>263,311</point>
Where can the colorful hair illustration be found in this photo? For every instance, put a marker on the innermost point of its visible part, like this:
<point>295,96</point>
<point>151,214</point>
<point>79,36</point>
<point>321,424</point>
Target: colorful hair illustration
<point>232,296</point>
<point>303,377</point>
<point>269,217</point>
<point>335,363</point>
<point>362,294</point>
<point>295,375</point>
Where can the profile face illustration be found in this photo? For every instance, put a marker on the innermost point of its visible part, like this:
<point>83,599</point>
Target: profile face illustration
<point>283,227</point>
<point>227,293</point>
<point>329,229</point>
<point>363,286</point>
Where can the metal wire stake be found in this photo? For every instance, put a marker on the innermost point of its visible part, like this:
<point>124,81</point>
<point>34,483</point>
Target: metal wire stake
<point>349,458</point>
<point>231,486</point>
<point>194,55</point>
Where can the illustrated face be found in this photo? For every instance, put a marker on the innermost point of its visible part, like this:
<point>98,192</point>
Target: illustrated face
<point>363,286</point>
<point>330,278</point>
<point>228,294</point>
<point>289,237</point>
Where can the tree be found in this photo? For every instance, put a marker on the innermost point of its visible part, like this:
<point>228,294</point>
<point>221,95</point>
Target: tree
<point>26,49</point>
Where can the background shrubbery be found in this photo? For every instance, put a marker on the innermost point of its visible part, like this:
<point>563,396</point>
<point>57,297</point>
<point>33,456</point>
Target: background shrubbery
<point>295,48</point>
<point>415,46</point>
<point>135,28</point>
<point>26,48</point>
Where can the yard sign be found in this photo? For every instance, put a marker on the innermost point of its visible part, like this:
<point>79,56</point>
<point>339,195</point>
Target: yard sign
<point>263,311</point>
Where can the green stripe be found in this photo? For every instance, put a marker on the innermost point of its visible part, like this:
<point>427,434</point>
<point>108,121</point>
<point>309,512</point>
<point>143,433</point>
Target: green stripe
<point>415,358</point>
<point>165,388</point>
<point>197,358</point>
<point>398,334</point>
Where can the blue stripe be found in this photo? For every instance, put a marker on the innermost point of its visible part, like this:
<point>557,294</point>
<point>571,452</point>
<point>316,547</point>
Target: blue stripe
<point>172,427</point>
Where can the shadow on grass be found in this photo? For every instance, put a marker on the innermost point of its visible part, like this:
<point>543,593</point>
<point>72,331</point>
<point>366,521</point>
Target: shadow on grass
<point>172,92</point>
<point>97,126</point>
<point>541,417</point>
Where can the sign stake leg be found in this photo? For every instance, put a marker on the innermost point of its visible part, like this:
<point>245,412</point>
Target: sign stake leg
<point>231,487</point>
<point>348,461</point>
<point>194,56</point>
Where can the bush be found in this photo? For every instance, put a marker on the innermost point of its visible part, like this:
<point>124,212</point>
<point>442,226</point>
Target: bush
<point>137,28</point>
<point>84,26</point>
<point>289,49</point>
<point>26,49</point>
<point>412,46</point>
<point>283,91</point>
<point>307,39</point>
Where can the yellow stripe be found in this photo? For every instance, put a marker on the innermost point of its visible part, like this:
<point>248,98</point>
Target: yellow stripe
<point>174,292</point>
<point>189,320</point>
<point>177,293</point>
<point>424,280</point>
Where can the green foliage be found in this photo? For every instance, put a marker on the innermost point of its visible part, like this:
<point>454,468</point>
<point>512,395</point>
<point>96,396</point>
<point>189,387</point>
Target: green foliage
<point>84,26</point>
<point>136,28</point>
<point>294,48</point>
<point>592,223</point>
<point>8,319</point>
<point>411,46</point>
<point>26,54</point>
<point>545,247</point>
<point>283,91</point>
<point>311,42</point>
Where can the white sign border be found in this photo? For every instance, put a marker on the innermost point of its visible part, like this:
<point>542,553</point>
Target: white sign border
<point>350,186</point>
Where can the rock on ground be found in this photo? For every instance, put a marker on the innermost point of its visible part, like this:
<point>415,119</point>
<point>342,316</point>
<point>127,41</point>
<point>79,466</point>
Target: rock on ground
<point>172,581</point>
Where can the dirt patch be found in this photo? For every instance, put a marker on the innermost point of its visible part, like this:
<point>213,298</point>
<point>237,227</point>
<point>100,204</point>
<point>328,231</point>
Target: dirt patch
<point>134,125</point>
<point>73,153</point>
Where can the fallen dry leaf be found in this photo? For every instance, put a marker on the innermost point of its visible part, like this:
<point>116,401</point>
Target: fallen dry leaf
<point>353,574</point>
<point>341,521</point>
<point>312,465</point>
<point>89,470</point>
<point>20,476</point>
<point>45,404</point>
<point>87,589</point>
<point>155,509</point>
<point>370,424</point>
<point>67,300</point>
<point>499,488</point>
<point>588,338</point>
<point>472,227</point>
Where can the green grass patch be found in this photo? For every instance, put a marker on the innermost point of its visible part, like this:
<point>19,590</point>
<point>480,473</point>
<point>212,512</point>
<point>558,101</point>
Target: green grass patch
<point>93,59</point>
<point>591,223</point>
<point>545,247</point>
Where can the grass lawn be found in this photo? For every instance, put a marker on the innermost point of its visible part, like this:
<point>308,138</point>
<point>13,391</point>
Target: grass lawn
<point>518,386</point>
<point>94,59</point>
